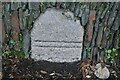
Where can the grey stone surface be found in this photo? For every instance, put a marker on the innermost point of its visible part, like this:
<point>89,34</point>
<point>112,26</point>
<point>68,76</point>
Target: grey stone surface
<point>56,38</point>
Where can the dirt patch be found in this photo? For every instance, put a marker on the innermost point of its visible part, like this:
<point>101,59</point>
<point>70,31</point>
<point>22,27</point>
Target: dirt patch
<point>27,68</point>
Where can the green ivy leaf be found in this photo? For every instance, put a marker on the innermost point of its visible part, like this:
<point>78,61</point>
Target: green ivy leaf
<point>6,52</point>
<point>108,57</point>
<point>109,51</point>
<point>100,47</point>
<point>106,51</point>
<point>113,49</point>
<point>111,61</point>
<point>89,49</point>
<point>116,54</point>
<point>12,42</point>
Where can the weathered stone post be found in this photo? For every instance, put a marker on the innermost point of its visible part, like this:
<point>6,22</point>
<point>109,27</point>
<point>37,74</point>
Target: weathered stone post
<point>57,37</point>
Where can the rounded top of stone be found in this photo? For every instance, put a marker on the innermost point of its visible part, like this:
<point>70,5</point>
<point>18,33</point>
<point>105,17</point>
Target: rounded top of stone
<point>53,24</point>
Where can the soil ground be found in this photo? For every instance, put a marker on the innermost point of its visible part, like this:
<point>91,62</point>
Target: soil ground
<point>28,69</point>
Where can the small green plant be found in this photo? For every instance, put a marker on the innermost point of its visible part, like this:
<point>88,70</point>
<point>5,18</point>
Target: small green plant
<point>13,53</point>
<point>20,40</point>
<point>5,53</point>
<point>12,42</point>
<point>111,54</point>
<point>88,49</point>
